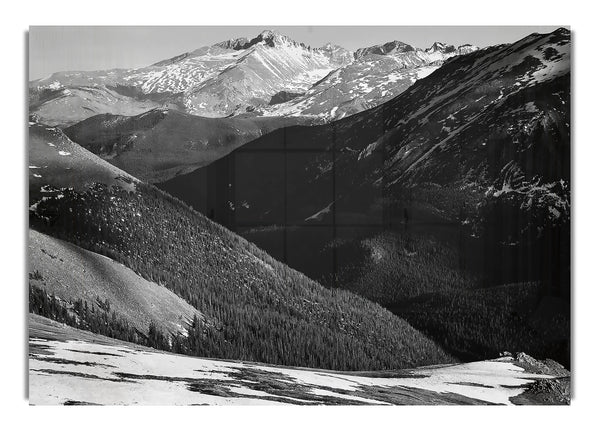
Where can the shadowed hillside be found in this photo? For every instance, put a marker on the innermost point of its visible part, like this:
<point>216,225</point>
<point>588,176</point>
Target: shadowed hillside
<point>161,144</point>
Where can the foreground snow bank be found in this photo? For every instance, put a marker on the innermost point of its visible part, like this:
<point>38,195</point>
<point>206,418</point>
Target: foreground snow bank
<point>98,370</point>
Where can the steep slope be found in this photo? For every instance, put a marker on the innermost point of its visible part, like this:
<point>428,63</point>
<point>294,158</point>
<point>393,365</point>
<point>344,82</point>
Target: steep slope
<point>378,74</point>
<point>72,273</point>
<point>64,369</point>
<point>160,144</point>
<point>217,81</point>
<point>255,308</point>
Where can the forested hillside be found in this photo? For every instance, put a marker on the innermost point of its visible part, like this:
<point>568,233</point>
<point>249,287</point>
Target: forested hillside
<point>253,307</point>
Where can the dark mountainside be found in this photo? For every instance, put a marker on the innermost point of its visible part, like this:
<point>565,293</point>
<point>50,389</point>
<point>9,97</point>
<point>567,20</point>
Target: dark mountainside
<point>448,204</point>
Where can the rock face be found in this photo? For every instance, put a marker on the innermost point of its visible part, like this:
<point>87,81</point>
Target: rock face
<point>363,84</point>
<point>65,369</point>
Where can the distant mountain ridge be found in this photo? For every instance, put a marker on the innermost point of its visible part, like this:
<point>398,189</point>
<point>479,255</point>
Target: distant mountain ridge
<point>397,48</point>
<point>377,74</point>
<point>228,78</point>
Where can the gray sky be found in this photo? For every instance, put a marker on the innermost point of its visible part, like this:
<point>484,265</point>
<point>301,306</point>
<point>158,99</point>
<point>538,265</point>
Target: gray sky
<point>55,49</point>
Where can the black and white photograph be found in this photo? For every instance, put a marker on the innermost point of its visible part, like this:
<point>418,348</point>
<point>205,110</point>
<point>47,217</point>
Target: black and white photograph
<point>306,215</point>
<point>299,215</point>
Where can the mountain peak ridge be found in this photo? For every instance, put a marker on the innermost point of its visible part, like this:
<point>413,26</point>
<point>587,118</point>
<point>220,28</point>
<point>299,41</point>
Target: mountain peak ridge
<point>270,38</point>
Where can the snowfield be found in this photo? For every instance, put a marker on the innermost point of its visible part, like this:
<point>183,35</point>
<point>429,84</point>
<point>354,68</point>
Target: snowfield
<point>69,366</point>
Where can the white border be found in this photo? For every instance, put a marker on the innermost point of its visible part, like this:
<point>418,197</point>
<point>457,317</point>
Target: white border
<point>583,21</point>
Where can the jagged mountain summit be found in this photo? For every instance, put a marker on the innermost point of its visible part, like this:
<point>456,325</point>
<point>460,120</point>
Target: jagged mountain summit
<point>242,75</point>
<point>274,39</point>
<point>268,37</point>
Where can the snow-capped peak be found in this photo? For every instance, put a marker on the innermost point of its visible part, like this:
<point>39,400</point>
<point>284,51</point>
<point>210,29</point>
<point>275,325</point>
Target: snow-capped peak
<point>440,47</point>
<point>267,37</point>
<point>267,34</point>
<point>273,39</point>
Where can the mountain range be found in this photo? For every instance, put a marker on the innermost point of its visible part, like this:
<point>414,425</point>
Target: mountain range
<point>238,76</point>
